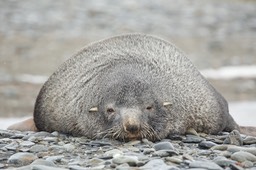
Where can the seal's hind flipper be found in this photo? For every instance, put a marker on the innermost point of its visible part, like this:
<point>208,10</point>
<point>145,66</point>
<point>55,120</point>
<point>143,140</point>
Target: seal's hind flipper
<point>26,125</point>
<point>248,130</point>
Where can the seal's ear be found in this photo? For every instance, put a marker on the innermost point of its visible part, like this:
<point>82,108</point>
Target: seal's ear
<point>93,109</point>
<point>167,105</point>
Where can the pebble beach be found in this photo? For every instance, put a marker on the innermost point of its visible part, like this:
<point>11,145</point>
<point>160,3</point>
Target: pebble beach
<point>55,151</point>
<point>219,37</point>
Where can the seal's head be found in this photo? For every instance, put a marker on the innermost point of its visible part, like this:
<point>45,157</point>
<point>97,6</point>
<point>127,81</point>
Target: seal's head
<point>132,111</point>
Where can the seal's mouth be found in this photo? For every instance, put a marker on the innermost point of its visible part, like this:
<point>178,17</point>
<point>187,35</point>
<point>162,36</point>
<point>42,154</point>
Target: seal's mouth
<point>132,136</point>
<point>118,132</point>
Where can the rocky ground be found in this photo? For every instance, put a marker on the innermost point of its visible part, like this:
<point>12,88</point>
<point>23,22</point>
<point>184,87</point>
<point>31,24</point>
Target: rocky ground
<point>43,151</point>
<point>37,36</point>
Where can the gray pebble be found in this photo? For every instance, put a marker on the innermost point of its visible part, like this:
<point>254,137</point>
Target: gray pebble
<point>42,134</point>
<point>43,167</point>
<point>2,165</point>
<point>21,158</point>
<point>56,148</point>
<point>146,141</point>
<point>165,153</point>
<point>121,159</point>
<point>223,161</point>
<point>77,167</point>
<point>247,164</point>
<point>27,143</point>
<point>234,149</point>
<point>220,147</point>
<point>6,134</point>
<point>227,154</point>
<point>12,146</point>
<point>193,139</point>
<point>156,164</point>
<point>43,162</point>
<point>147,151</point>
<point>242,156</point>
<point>69,147</point>
<point>124,166</point>
<point>38,148</point>
<point>51,139</point>
<point>174,159</point>
<point>187,157</point>
<point>204,152</point>
<point>249,140</point>
<point>236,167</point>
<point>163,146</point>
<point>206,144</point>
<point>54,158</point>
<point>95,161</point>
<point>113,152</point>
<point>205,164</point>
<point>133,149</point>
<point>99,167</point>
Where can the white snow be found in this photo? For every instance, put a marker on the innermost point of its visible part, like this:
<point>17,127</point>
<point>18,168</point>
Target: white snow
<point>34,79</point>
<point>230,72</point>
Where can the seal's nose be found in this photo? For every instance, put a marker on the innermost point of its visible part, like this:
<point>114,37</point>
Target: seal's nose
<point>131,121</point>
<point>132,128</point>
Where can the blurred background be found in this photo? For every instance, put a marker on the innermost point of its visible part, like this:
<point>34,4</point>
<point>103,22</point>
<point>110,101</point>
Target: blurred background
<point>37,36</point>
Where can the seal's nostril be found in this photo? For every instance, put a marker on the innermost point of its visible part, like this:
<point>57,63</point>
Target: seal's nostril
<point>132,128</point>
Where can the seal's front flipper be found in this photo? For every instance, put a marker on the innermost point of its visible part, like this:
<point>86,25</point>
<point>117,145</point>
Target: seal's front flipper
<point>26,125</point>
<point>248,130</point>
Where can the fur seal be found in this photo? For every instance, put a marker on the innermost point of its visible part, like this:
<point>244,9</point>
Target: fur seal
<point>130,87</point>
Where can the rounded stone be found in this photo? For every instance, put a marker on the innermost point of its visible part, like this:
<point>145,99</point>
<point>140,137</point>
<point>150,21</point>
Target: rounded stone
<point>242,156</point>
<point>54,158</point>
<point>223,161</point>
<point>113,152</point>
<point>174,159</point>
<point>234,149</point>
<point>38,148</point>
<point>43,162</point>
<point>247,164</point>
<point>69,147</point>
<point>148,151</point>
<point>206,144</point>
<point>27,143</point>
<point>43,167</point>
<point>205,165</point>
<point>249,140</point>
<point>156,164</point>
<point>22,158</point>
<point>165,153</point>
<point>163,146</point>
<point>193,139</point>
<point>120,159</point>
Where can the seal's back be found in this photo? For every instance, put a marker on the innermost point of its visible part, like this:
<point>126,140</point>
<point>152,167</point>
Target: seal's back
<point>65,100</point>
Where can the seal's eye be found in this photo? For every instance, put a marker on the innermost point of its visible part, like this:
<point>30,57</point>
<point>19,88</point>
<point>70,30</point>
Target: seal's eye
<point>110,110</point>
<point>149,107</point>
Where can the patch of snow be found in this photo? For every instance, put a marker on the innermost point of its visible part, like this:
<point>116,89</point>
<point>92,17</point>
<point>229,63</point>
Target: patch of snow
<point>230,72</point>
